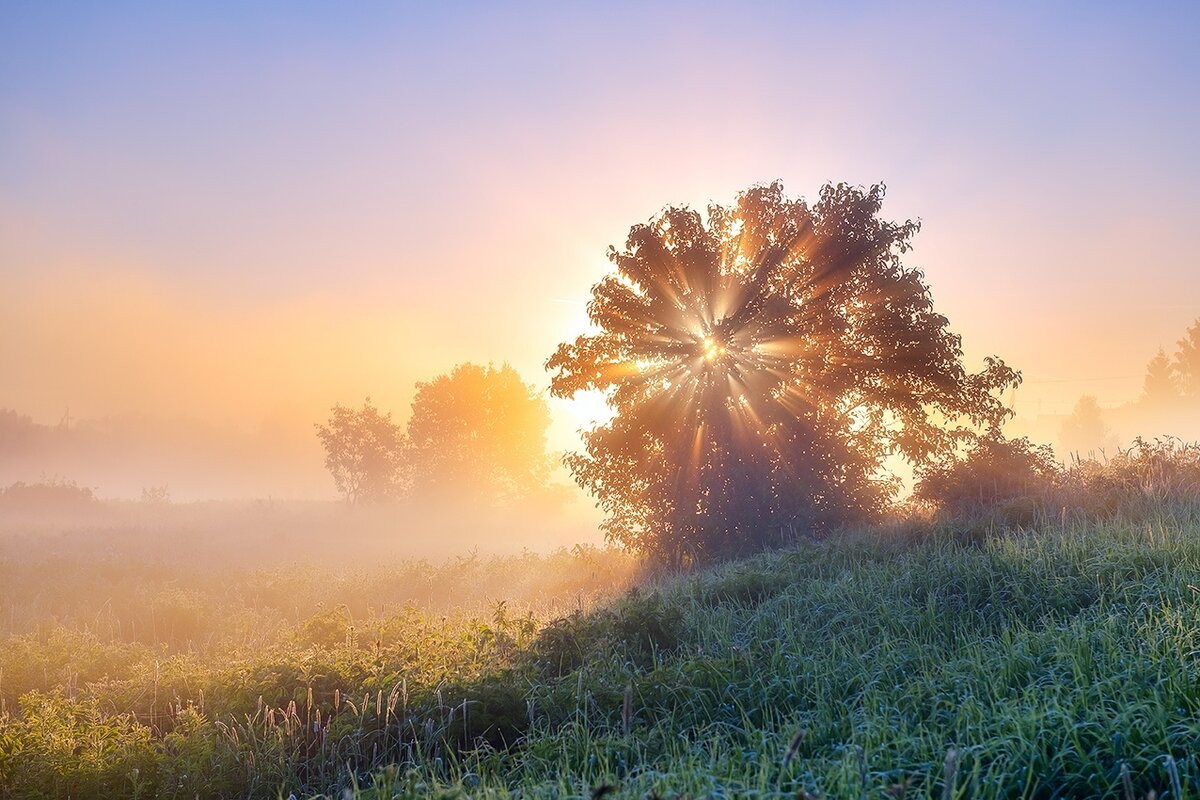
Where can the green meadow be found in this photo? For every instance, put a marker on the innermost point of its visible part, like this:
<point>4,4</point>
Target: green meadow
<point>952,659</point>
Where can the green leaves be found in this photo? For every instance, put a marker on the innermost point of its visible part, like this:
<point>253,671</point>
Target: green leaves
<point>762,362</point>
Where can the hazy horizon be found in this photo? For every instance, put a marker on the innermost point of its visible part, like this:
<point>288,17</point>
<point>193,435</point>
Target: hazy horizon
<point>234,221</point>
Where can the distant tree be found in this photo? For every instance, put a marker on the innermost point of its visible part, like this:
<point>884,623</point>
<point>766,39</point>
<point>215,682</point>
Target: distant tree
<point>479,431</point>
<point>156,495</point>
<point>762,362</point>
<point>364,451</point>
<point>55,494</point>
<point>1085,431</point>
<point>17,432</point>
<point>1187,362</point>
<point>1160,387</point>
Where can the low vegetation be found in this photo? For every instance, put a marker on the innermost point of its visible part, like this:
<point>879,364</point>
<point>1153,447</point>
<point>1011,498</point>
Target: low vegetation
<point>1013,481</point>
<point>137,677</point>
<point>954,657</point>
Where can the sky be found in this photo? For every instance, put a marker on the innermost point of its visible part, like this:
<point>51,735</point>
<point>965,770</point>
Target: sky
<point>246,212</point>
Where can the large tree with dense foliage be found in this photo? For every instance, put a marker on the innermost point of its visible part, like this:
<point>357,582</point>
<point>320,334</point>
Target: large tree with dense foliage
<point>763,360</point>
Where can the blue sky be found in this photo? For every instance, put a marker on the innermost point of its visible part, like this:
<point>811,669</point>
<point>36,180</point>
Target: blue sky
<point>434,183</point>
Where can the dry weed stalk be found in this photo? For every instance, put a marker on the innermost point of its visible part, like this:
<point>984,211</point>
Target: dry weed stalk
<point>951,770</point>
<point>794,747</point>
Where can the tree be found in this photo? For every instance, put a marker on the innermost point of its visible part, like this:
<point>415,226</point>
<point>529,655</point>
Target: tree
<point>1160,387</point>
<point>762,363</point>
<point>480,431</point>
<point>1187,362</point>
<point>1085,430</point>
<point>364,451</point>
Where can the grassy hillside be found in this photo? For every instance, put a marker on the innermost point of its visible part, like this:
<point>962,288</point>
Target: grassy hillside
<point>953,662</point>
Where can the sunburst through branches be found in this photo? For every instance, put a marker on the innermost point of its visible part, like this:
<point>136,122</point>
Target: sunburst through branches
<point>762,361</point>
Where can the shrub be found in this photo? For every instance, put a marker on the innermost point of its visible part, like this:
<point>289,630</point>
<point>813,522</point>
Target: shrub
<point>496,711</point>
<point>57,494</point>
<point>744,586</point>
<point>62,747</point>
<point>636,628</point>
<point>1014,483</point>
<point>1008,478</point>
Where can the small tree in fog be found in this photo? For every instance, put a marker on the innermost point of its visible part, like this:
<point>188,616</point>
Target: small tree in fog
<point>364,451</point>
<point>1187,362</point>
<point>480,431</point>
<point>156,495</point>
<point>1160,387</point>
<point>1085,431</point>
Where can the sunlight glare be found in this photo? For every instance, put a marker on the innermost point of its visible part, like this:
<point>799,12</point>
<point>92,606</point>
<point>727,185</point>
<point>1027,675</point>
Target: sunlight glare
<point>589,409</point>
<point>712,350</point>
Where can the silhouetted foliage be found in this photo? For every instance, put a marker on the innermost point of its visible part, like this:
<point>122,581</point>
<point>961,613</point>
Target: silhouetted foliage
<point>17,431</point>
<point>1160,387</point>
<point>1013,482</point>
<point>635,628</point>
<point>57,494</point>
<point>1187,362</point>
<point>1085,431</point>
<point>364,451</point>
<point>762,363</point>
<point>995,473</point>
<point>1148,475</point>
<point>156,495</point>
<point>478,430</point>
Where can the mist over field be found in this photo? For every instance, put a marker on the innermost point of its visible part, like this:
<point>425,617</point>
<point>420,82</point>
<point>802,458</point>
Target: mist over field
<point>599,400</point>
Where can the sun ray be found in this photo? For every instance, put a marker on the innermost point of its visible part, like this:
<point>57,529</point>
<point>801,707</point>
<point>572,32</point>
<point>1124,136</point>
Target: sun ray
<point>752,357</point>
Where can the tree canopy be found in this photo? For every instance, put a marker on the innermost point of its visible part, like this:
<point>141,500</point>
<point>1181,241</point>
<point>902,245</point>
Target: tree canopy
<point>1187,362</point>
<point>1173,383</point>
<point>763,360</point>
<point>1160,386</point>
<point>364,451</point>
<point>481,430</point>
<point>1084,433</point>
<point>475,433</point>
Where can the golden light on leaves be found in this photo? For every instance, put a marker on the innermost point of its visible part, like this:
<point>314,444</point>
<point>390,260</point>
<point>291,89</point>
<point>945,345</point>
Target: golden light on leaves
<point>763,361</point>
<point>713,350</point>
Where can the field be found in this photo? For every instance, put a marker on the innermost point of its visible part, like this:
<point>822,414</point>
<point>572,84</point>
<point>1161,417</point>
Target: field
<point>948,660</point>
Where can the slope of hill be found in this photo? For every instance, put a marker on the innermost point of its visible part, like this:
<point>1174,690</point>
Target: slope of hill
<point>1062,663</point>
<point>955,662</point>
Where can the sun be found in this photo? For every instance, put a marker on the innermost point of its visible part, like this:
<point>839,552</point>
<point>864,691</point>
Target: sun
<point>588,409</point>
<point>712,349</point>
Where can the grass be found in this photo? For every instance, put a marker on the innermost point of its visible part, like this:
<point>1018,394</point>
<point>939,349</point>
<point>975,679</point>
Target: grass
<point>948,662</point>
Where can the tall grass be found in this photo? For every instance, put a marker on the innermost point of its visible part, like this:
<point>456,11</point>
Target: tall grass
<point>1045,663</point>
<point>1057,659</point>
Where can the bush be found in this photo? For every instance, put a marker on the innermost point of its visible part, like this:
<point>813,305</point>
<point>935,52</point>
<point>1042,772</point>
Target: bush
<point>636,628</point>
<point>744,586</point>
<point>1015,484</point>
<point>56,494</point>
<point>1008,478</point>
<point>62,747</point>
<point>496,708</point>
